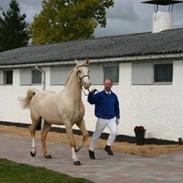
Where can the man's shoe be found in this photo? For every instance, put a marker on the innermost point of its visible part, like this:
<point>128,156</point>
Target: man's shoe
<point>91,154</point>
<point>108,150</point>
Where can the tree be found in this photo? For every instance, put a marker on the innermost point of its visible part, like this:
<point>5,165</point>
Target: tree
<point>13,28</point>
<point>62,20</point>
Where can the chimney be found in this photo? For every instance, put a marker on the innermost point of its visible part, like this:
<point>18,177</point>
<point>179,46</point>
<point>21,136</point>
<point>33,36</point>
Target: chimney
<point>162,20</point>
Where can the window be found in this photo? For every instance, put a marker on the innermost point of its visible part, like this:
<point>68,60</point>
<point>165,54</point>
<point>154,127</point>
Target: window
<point>36,77</point>
<point>30,76</point>
<point>163,72</point>
<point>142,73</point>
<point>59,74</point>
<point>150,73</point>
<point>96,74</point>
<point>8,77</point>
<point>112,72</point>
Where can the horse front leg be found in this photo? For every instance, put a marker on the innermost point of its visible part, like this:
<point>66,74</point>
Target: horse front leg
<point>85,134</point>
<point>72,145</point>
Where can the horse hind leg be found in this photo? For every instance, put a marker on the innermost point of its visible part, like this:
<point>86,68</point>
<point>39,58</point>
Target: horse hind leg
<point>44,134</point>
<point>35,123</point>
<point>39,125</point>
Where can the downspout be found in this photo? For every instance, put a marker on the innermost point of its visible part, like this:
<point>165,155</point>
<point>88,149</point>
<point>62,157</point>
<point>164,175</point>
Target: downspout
<point>43,88</point>
<point>43,76</point>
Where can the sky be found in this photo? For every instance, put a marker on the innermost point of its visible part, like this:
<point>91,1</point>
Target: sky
<point>125,17</point>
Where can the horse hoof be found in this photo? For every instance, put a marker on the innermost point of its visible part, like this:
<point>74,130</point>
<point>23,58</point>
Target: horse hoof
<point>77,149</point>
<point>77,163</point>
<point>32,154</point>
<point>48,156</point>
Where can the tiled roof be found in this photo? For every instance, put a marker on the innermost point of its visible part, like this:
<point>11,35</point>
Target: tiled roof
<point>165,42</point>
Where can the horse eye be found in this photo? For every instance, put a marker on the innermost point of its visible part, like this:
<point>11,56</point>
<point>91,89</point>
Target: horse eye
<point>79,71</point>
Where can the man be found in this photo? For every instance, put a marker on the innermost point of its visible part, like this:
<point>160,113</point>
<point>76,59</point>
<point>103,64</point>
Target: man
<point>108,114</point>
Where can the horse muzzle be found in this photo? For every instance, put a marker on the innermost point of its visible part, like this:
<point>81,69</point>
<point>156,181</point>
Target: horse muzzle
<point>86,85</point>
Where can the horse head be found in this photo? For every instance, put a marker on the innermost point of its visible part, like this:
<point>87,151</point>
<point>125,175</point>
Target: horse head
<point>83,73</point>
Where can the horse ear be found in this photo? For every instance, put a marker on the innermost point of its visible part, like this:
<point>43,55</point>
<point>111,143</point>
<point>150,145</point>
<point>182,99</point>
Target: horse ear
<point>77,63</point>
<point>87,62</point>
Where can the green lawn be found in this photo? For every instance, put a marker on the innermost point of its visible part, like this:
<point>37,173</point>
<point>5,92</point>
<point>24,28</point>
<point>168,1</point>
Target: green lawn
<point>11,172</point>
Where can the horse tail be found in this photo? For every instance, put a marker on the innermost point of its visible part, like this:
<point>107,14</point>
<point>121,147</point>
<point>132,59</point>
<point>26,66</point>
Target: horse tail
<point>25,101</point>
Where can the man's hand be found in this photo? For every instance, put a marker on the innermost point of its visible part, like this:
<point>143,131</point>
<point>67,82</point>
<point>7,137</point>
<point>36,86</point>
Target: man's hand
<point>117,121</point>
<point>93,91</point>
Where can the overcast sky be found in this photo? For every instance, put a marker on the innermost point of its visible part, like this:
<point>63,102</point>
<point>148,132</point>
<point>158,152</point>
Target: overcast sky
<point>126,17</point>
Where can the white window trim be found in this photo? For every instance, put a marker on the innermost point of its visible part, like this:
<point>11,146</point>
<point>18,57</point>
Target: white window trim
<point>112,65</point>
<point>155,83</point>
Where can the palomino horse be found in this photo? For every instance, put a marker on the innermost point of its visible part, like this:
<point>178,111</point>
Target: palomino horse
<point>62,108</point>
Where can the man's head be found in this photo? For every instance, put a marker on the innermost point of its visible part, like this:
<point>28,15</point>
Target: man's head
<point>108,84</point>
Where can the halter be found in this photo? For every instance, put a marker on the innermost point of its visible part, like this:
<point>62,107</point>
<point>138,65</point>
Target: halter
<point>80,78</point>
<point>86,75</point>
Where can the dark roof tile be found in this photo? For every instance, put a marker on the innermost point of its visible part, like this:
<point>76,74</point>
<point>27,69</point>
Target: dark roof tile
<point>165,42</point>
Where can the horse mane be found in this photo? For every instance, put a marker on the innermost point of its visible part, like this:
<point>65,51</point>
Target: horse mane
<point>73,71</point>
<point>69,75</point>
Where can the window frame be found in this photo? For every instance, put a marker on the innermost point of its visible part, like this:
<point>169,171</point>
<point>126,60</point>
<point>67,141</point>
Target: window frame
<point>60,68</point>
<point>96,78</point>
<point>26,77</point>
<point>112,65</point>
<point>32,77</point>
<point>5,77</point>
<point>162,82</point>
<point>151,74</point>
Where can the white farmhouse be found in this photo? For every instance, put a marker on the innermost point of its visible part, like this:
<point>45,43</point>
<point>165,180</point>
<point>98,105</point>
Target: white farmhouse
<point>147,70</point>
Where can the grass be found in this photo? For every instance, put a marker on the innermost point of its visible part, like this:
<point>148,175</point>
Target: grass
<point>11,172</point>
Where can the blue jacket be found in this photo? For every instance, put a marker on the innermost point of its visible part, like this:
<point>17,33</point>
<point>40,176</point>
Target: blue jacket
<point>106,106</point>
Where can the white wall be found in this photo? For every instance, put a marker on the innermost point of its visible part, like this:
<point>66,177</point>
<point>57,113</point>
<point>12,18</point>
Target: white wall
<point>157,107</point>
<point>9,104</point>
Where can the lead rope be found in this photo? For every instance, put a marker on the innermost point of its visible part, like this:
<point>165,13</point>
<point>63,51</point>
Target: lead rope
<point>85,92</point>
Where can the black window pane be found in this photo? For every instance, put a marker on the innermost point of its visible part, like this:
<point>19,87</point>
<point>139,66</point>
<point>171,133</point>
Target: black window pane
<point>112,72</point>
<point>163,72</point>
<point>36,77</point>
<point>8,77</point>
